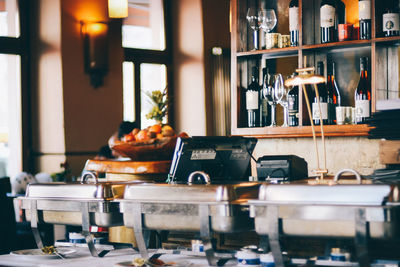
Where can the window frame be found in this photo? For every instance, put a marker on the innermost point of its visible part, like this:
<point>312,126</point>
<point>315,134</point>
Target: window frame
<point>20,46</point>
<point>138,56</point>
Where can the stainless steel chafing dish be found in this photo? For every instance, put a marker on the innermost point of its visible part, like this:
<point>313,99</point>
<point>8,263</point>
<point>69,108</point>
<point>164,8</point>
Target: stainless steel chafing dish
<point>203,208</point>
<point>83,204</point>
<point>327,210</point>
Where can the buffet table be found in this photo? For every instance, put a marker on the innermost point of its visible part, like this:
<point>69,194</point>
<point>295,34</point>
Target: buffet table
<point>82,257</point>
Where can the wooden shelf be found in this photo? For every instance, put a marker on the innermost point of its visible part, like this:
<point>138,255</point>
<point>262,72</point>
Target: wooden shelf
<point>273,52</point>
<point>353,44</point>
<point>393,39</point>
<point>381,51</point>
<point>303,131</point>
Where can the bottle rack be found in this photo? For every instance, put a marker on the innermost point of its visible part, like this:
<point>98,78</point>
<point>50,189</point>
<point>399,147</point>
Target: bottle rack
<point>383,53</point>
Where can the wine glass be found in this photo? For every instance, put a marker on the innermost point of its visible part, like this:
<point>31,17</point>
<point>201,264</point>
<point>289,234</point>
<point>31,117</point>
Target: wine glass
<point>253,21</point>
<point>281,96</point>
<point>267,19</point>
<point>269,93</point>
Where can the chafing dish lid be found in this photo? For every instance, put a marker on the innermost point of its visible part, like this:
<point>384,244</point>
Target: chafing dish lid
<point>94,191</point>
<point>360,194</point>
<point>191,193</point>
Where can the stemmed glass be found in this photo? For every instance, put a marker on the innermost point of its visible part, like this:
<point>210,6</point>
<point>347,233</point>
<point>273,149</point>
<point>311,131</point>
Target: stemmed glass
<point>269,93</point>
<point>267,19</point>
<point>281,95</point>
<point>253,20</point>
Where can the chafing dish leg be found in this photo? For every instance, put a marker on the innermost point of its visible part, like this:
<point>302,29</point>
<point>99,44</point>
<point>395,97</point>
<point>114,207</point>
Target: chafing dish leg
<point>138,230</point>
<point>361,237</point>
<point>273,234</point>
<point>205,234</point>
<point>264,243</point>
<point>86,231</point>
<point>34,224</point>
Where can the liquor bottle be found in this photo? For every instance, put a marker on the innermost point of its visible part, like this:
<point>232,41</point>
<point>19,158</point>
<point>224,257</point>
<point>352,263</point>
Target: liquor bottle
<point>294,22</point>
<point>362,95</point>
<point>390,18</point>
<point>364,15</point>
<point>333,92</point>
<point>322,114</point>
<point>265,116</point>
<point>293,105</point>
<point>327,20</point>
<point>252,97</point>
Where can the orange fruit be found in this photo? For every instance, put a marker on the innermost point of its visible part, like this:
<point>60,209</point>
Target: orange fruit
<point>183,134</point>
<point>168,131</point>
<point>135,131</point>
<point>156,128</point>
<point>141,135</point>
<point>129,137</point>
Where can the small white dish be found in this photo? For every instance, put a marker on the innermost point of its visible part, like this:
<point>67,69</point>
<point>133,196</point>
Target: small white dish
<point>38,253</point>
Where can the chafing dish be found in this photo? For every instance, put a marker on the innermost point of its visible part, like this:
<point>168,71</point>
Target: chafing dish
<point>202,208</point>
<point>327,210</point>
<point>83,204</point>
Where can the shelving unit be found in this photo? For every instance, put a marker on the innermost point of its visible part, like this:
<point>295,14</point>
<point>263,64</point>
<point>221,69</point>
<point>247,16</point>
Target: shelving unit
<point>380,50</point>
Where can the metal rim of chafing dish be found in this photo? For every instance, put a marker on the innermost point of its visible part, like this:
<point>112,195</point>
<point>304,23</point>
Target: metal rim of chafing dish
<point>138,207</point>
<point>276,208</point>
<point>85,206</point>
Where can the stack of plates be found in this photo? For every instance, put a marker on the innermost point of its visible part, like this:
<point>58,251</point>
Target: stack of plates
<point>386,121</point>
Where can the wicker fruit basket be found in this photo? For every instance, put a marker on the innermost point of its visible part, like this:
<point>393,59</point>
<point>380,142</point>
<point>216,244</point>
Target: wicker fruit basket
<point>151,149</point>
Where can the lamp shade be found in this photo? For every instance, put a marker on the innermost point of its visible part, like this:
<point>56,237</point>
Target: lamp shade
<point>118,8</point>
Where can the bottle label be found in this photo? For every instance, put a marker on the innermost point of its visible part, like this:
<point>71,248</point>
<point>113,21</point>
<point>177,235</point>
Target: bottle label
<point>317,115</point>
<point>362,109</point>
<point>264,104</point>
<point>390,22</point>
<point>327,16</point>
<point>251,100</point>
<point>292,107</point>
<point>293,19</point>
<point>364,9</point>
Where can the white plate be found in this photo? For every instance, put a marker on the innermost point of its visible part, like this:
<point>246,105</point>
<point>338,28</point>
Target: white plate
<point>37,253</point>
<point>130,264</point>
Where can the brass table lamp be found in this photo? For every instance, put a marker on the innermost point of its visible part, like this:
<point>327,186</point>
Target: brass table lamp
<point>307,76</point>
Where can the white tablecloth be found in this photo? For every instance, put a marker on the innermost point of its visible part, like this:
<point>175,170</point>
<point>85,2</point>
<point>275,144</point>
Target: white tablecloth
<point>82,258</point>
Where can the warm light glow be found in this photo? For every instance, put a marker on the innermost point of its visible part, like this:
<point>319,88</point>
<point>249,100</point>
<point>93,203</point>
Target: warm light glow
<point>118,8</point>
<point>304,79</point>
<point>95,28</point>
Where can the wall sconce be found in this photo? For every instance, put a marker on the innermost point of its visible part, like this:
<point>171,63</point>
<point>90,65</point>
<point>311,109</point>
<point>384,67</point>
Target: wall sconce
<point>95,50</point>
<point>118,8</point>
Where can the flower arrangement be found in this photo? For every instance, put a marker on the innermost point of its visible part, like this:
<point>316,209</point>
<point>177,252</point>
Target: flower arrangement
<point>160,108</point>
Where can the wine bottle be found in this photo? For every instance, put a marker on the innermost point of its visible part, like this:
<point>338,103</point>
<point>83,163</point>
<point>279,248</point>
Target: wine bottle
<point>322,114</point>
<point>294,22</point>
<point>340,16</point>
<point>333,91</point>
<point>364,15</point>
<point>252,97</point>
<point>327,20</point>
<point>362,95</point>
<point>390,18</point>
<point>265,116</point>
<point>293,105</point>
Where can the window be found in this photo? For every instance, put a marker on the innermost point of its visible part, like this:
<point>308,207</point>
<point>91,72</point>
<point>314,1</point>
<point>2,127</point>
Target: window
<point>13,51</point>
<point>147,57</point>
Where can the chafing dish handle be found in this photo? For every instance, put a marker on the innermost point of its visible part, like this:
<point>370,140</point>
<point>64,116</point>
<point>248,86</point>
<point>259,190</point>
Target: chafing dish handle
<point>202,174</point>
<point>88,174</point>
<point>337,176</point>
